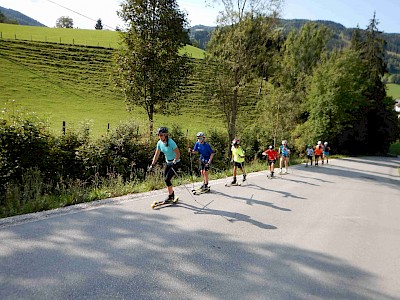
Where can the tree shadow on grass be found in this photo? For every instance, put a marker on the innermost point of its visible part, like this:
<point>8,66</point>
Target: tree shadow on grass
<point>112,252</point>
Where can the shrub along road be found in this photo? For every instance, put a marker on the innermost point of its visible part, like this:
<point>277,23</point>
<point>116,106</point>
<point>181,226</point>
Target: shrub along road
<point>324,232</point>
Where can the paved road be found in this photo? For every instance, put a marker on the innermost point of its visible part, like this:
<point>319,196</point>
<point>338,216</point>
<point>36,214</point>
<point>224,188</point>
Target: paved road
<point>328,232</point>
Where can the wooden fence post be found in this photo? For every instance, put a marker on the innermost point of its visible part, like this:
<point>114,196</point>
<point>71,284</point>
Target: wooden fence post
<point>63,128</point>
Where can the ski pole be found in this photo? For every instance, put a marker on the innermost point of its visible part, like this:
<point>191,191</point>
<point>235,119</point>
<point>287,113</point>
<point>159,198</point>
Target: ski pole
<point>191,169</point>
<point>191,193</point>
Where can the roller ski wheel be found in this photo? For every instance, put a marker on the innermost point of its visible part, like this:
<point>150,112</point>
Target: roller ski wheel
<point>233,184</point>
<point>200,191</point>
<point>164,202</point>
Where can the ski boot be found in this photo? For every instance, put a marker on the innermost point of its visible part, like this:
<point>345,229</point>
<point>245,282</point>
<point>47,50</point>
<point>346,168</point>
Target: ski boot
<point>204,188</point>
<point>170,198</point>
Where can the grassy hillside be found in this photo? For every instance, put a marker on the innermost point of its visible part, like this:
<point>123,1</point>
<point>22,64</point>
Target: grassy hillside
<point>393,90</point>
<point>83,37</point>
<point>71,83</point>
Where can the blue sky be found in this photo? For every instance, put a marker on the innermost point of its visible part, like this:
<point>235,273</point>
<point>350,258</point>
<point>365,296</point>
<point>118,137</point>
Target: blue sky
<point>349,13</point>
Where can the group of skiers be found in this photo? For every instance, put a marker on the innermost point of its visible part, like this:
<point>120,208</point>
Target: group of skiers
<point>172,157</point>
<point>321,151</point>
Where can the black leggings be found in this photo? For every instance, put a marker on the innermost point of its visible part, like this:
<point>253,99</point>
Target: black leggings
<point>169,172</point>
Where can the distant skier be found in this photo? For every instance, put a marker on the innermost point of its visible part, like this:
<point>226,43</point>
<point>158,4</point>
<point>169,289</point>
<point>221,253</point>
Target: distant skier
<point>318,152</point>
<point>309,154</point>
<point>325,153</point>
<point>284,152</point>
<point>206,156</point>
<point>237,159</point>
<point>272,155</point>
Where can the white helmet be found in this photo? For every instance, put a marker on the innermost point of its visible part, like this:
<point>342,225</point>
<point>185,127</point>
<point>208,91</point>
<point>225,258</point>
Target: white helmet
<point>326,144</point>
<point>235,142</point>
<point>319,143</point>
<point>200,135</point>
<point>284,142</point>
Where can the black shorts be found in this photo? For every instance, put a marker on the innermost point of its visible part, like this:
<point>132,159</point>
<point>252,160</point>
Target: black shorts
<point>204,165</point>
<point>309,157</point>
<point>239,164</point>
<point>271,161</point>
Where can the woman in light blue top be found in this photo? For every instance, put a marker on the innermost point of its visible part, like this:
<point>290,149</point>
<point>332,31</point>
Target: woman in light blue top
<point>172,154</point>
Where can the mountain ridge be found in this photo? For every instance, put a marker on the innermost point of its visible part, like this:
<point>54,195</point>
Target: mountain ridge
<point>13,15</point>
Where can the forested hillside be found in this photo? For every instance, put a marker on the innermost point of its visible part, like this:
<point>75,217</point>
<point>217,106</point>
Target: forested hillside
<point>341,38</point>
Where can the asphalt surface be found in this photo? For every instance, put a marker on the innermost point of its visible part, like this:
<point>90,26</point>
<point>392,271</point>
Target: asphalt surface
<point>328,232</point>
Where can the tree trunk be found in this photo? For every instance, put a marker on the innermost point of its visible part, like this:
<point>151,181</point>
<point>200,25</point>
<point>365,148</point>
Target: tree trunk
<point>150,115</point>
<point>232,121</point>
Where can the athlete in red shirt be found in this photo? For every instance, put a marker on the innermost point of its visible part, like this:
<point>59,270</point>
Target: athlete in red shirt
<point>271,156</point>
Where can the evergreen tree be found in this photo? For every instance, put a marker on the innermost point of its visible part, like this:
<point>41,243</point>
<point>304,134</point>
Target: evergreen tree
<point>99,25</point>
<point>383,126</point>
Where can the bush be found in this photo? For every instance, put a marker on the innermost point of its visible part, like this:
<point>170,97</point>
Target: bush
<point>221,145</point>
<point>40,171</point>
<point>24,144</point>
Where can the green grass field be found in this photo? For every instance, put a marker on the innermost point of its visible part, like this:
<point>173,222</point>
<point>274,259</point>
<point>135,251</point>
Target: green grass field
<point>71,83</point>
<point>82,37</point>
<point>393,90</point>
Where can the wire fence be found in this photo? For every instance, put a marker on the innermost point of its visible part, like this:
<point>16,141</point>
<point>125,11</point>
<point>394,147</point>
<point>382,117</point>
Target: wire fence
<point>59,40</point>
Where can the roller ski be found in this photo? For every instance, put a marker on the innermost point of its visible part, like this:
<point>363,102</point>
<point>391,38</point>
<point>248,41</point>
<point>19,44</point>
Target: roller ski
<point>234,183</point>
<point>202,190</point>
<point>170,200</point>
<point>283,173</point>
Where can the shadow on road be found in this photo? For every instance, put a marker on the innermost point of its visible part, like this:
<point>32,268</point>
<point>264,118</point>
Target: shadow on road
<point>119,254</point>
<point>346,169</point>
<point>251,201</point>
<point>283,193</point>
<point>229,216</point>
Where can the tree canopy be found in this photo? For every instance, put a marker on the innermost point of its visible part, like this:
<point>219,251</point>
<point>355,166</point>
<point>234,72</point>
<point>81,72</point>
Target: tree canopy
<point>149,69</point>
<point>64,22</point>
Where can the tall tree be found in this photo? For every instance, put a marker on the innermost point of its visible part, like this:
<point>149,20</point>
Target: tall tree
<point>236,49</point>
<point>334,102</point>
<point>149,69</point>
<point>283,106</point>
<point>383,126</point>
